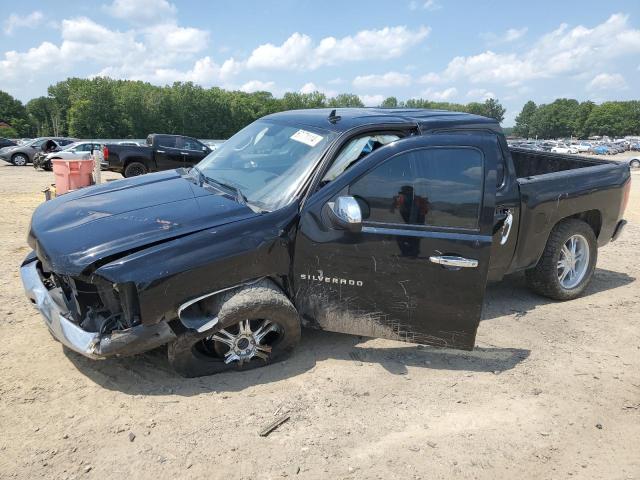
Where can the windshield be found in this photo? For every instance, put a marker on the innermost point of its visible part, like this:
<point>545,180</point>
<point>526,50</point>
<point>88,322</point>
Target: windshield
<point>72,146</point>
<point>266,162</point>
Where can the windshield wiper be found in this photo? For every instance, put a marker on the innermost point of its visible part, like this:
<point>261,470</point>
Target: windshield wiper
<point>240,197</point>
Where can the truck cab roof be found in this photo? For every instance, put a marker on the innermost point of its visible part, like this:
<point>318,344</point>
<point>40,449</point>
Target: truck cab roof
<point>348,118</point>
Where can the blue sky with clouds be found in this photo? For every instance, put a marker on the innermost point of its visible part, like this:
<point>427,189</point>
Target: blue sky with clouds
<point>448,50</point>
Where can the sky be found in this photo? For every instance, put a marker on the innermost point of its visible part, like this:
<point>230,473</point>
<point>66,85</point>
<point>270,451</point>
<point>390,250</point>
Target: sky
<point>445,50</point>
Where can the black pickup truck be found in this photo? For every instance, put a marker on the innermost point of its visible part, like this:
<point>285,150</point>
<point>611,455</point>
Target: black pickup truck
<point>377,222</point>
<point>162,152</point>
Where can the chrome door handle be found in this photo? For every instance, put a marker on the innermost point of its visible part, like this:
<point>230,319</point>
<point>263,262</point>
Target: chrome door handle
<point>453,261</point>
<point>184,153</point>
<point>506,228</point>
<point>160,151</point>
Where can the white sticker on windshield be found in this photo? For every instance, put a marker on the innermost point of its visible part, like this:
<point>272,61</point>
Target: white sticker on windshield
<point>308,138</point>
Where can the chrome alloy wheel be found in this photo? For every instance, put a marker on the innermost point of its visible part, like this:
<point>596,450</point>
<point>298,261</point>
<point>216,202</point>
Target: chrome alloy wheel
<point>573,262</point>
<point>246,344</point>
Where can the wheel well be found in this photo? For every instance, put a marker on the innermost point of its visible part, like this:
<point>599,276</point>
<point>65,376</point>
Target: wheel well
<point>593,218</point>
<point>198,312</point>
<point>135,159</point>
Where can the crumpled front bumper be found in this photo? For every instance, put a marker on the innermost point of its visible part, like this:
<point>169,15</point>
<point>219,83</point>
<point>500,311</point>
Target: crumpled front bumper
<point>134,340</point>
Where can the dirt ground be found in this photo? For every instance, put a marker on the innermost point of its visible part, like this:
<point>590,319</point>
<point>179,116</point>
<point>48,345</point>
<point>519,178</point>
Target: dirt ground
<point>551,391</point>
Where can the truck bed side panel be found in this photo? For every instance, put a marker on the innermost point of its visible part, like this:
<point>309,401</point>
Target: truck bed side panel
<point>548,198</point>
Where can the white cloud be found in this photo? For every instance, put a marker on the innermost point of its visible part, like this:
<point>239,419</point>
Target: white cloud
<point>389,79</point>
<point>440,95</point>
<point>607,81</point>
<point>560,52</point>
<point>371,100</point>
<point>514,34</point>
<point>511,35</point>
<point>480,94</point>
<point>257,86</point>
<point>309,87</point>
<point>16,22</point>
<point>299,52</point>
<point>430,77</point>
<point>82,40</point>
<point>491,67</point>
<point>425,5</point>
<point>141,11</point>
<point>170,37</point>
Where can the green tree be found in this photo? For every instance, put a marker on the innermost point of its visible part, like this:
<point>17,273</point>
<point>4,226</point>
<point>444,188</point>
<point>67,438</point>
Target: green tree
<point>345,100</point>
<point>555,120</point>
<point>389,102</point>
<point>523,120</point>
<point>13,112</point>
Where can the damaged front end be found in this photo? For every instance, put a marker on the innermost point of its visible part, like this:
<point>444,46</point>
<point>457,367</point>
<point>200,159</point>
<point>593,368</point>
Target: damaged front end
<point>94,318</point>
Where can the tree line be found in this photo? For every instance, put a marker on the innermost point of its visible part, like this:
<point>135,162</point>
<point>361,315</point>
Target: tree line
<point>566,118</point>
<point>106,108</point>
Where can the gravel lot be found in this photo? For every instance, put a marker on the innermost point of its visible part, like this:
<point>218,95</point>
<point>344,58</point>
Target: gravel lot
<point>551,391</point>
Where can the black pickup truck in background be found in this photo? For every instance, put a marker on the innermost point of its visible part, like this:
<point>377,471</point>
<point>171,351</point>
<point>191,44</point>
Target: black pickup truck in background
<point>375,222</point>
<point>162,152</point>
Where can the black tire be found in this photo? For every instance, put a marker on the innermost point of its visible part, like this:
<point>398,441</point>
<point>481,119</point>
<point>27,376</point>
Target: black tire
<point>134,169</point>
<point>635,163</point>
<point>20,160</point>
<point>191,355</point>
<point>48,166</point>
<point>543,278</point>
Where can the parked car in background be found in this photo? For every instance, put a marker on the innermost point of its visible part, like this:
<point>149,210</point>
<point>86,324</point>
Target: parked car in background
<point>129,143</point>
<point>564,148</point>
<point>600,150</point>
<point>583,147</point>
<point>162,152</point>
<point>73,151</point>
<point>5,142</point>
<point>20,155</point>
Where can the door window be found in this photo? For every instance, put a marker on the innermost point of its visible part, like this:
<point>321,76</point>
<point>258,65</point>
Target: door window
<point>167,142</point>
<point>190,144</point>
<point>439,187</point>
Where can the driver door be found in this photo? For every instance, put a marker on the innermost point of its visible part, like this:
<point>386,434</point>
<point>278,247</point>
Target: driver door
<point>415,267</point>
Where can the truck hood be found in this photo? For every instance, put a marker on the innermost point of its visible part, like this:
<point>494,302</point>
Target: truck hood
<point>78,229</point>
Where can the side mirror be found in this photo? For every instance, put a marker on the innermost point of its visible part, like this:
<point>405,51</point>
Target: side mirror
<point>345,214</point>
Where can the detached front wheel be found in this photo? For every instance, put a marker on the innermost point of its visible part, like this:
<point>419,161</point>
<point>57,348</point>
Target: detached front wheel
<point>567,263</point>
<point>257,325</point>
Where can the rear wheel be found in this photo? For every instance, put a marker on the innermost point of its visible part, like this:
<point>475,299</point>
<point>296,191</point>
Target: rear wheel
<point>134,169</point>
<point>635,163</point>
<point>257,325</point>
<point>19,159</point>
<point>567,263</point>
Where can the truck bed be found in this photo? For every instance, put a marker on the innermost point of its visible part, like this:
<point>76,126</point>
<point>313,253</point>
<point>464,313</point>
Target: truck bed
<point>554,186</point>
<point>531,163</point>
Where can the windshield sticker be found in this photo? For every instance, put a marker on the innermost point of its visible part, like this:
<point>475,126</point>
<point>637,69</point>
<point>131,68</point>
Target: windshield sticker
<point>308,138</point>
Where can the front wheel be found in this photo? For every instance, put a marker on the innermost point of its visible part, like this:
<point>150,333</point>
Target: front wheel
<point>635,163</point>
<point>257,325</point>
<point>567,263</point>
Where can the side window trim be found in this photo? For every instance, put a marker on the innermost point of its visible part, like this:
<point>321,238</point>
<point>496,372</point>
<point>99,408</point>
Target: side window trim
<point>420,227</point>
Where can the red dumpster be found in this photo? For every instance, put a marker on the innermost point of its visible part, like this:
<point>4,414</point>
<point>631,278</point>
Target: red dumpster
<point>72,174</point>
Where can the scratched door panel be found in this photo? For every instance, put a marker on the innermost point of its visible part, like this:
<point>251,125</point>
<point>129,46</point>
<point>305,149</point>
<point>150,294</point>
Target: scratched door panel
<point>381,282</point>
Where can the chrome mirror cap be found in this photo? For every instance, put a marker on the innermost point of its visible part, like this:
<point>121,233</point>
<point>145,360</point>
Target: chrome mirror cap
<point>346,213</point>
